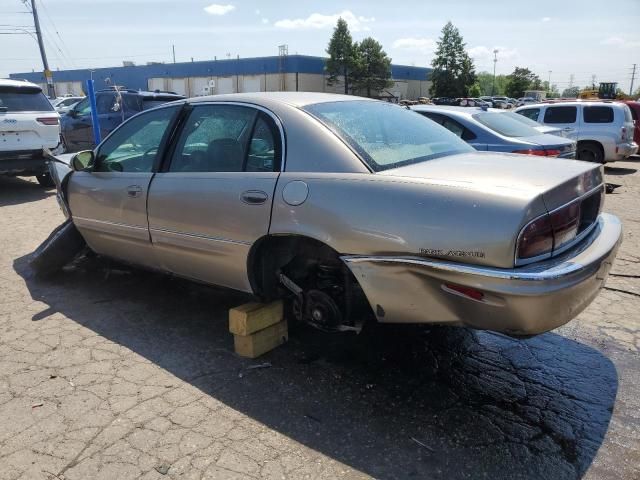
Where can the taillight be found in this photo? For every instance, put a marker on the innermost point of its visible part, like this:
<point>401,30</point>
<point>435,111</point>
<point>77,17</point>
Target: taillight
<point>47,120</point>
<point>536,238</point>
<point>565,223</point>
<point>550,231</point>
<point>540,153</point>
<point>624,134</point>
<point>469,292</point>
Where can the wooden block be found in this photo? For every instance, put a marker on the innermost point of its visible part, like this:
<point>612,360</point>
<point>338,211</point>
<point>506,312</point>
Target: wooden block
<point>252,317</point>
<point>262,341</point>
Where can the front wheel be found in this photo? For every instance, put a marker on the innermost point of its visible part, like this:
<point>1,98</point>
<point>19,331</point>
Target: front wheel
<point>45,180</point>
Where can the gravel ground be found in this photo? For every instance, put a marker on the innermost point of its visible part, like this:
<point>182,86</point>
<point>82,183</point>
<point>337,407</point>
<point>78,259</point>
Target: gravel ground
<point>112,373</point>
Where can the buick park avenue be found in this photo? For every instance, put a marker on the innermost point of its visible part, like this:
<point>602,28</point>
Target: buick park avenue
<point>347,208</point>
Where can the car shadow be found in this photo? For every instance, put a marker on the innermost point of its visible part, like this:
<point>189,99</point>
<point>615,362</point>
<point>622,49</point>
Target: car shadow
<point>619,170</point>
<point>391,402</point>
<point>16,190</point>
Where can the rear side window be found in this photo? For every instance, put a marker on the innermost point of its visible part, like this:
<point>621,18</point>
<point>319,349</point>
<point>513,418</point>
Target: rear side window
<point>21,99</point>
<point>560,115</point>
<point>451,125</point>
<point>531,113</point>
<point>598,114</point>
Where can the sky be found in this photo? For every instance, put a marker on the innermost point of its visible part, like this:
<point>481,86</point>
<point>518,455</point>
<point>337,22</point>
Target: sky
<point>567,37</point>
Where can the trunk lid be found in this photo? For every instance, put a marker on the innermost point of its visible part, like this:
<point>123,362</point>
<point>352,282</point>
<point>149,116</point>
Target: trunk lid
<point>557,181</point>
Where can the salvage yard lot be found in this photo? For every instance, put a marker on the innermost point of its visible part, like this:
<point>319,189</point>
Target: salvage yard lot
<point>108,372</point>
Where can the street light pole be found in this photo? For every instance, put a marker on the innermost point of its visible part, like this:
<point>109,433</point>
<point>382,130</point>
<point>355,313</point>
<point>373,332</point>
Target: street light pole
<point>495,60</point>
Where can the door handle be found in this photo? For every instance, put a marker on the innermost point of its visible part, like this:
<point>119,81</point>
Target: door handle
<point>254,197</point>
<point>567,129</point>
<point>134,190</point>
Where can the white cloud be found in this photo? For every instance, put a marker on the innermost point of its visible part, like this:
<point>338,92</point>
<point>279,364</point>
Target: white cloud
<point>422,45</point>
<point>484,55</point>
<point>265,21</point>
<point>319,21</point>
<point>257,11</point>
<point>216,9</point>
<point>621,42</point>
<point>546,19</point>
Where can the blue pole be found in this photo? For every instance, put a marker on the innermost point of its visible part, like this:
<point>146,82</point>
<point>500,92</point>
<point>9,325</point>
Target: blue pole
<point>94,112</point>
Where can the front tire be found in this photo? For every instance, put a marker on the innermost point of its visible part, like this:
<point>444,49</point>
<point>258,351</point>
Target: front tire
<point>45,180</point>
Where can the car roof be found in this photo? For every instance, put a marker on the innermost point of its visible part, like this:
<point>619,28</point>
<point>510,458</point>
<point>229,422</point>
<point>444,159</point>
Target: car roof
<point>9,82</point>
<point>296,99</point>
<point>571,103</point>
<point>461,111</point>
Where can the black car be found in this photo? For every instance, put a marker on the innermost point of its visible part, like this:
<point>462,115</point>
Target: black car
<point>114,107</point>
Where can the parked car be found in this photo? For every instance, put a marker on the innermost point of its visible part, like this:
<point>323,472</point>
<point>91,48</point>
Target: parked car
<point>114,107</point>
<point>526,101</point>
<point>28,125</point>
<point>603,130</point>
<point>473,102</point>
<point>322,199</point>
<point>445,101</point>
<point>634,107</point>
<point>535,125</point>
<point>64,104</point>
<point>501,102</point>
<point>495,131</point>
<point>487,99</point>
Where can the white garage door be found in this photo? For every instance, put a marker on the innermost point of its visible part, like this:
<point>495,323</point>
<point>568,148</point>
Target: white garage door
<point>251,84</point>
<point>225,85</point>
<point>178,85</point>
<point>156,84</point>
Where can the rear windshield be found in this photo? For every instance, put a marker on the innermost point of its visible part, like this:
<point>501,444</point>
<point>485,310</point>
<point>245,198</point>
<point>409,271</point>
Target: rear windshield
<point>385,135</point>
<point>504,125</point>
<point>521,118</point>
<point>21,99</point>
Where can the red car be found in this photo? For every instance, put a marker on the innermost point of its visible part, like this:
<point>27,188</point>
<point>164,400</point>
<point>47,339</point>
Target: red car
<point>634,106</point>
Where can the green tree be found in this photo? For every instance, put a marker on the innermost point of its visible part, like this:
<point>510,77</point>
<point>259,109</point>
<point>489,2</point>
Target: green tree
<point>571,92</point>
<point>372,71</point>
<point>519,80</point>
<point>342,55</point>
<point>453,71</point>
<point>485,81</point>
<point>475,90</point>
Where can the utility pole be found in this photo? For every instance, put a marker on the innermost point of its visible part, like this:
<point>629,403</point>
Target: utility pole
<point>47,73</point>
<point>593,81</point>
<point>571,77</point>
<point>173,49</point>
<point>633,77</point>
<point>495,60</point>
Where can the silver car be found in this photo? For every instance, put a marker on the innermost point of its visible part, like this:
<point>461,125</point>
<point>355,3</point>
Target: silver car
<point>342,204</point>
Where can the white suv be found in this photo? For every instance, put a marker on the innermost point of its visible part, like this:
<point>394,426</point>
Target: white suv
<point>28,125</point>
<point>603,130</point>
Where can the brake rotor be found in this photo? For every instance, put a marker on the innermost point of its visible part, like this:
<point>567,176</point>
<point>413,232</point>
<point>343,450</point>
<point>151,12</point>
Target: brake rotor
<point>322,311</point>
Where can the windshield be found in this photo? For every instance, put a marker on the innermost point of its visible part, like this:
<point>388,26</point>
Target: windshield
<point>21,99</point>
<point>385,135</point>
<point>505,125</point>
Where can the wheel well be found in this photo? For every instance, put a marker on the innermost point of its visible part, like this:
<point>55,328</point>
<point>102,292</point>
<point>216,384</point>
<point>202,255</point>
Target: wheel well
<point>272,252</point>
<point>593,143</point>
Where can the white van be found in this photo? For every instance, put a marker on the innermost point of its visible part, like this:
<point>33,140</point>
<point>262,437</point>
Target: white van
<point>603,129</point>
<point>28,125</point>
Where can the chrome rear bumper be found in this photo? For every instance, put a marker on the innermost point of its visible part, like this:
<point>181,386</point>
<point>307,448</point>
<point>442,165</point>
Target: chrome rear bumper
<point>521,301</point>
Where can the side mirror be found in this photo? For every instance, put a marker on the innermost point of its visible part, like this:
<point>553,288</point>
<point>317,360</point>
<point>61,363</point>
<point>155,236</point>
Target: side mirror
<point>81,160</point>
<point>72,113</point>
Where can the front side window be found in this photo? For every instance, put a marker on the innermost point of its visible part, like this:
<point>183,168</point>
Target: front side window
<point>135,145</point>
<point>387,136</point>
<point>23,99</point>
<point>105,103</point>
<point>531,113</point>
<point>560,115</point>
<point>83,108</point>
<point>594,114</point>
<point>227,138</point>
